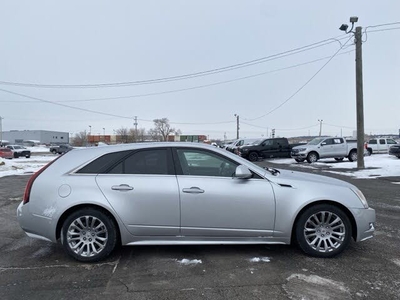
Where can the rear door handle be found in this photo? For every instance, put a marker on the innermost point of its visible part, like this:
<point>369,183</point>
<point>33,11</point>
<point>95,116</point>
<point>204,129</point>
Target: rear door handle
<point>122,187</point>
<point>193,190</point>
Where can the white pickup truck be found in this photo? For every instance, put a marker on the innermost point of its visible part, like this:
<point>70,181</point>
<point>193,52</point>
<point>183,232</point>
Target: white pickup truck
<point>325,147</point>
<point>381,145</point>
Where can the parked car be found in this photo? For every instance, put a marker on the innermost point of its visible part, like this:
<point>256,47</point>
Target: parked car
<point>184,193</point>
<point>326,147</point>
<point>6,153</point>
<point>238,143</point>
<point>380,145</point>
<point>395,150</point>
<point>60,149</point>
<point>18,151</point>
<point>266,148</point>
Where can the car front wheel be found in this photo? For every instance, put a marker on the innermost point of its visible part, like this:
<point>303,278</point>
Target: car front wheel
<point>89,235</point>
<point>323,230</point>
<point>253,156</point>
<point>299,160</point>
<point>312,157</point>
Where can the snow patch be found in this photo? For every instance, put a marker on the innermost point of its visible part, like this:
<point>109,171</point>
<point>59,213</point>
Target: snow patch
<point>377,165</point>
<point>260,259</point>
<point>396,261</point>
<point>396,182</point>
<point>301,286</point>
<point>187,262</point>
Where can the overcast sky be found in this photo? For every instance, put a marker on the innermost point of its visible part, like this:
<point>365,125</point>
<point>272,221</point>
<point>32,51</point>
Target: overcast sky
<point>100,42</point>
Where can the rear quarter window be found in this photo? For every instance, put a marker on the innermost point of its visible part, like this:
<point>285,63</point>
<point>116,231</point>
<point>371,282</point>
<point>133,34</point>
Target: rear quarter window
<point>103,163</point>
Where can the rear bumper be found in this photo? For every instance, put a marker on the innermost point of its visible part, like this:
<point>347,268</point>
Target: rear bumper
<point>35,226</point>
<point>365,220</point>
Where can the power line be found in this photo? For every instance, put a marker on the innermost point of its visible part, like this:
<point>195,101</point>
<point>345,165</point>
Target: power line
<point>185,76</point>
<point>190,88</point>
<point>303,86</point>
<point>280,129</point>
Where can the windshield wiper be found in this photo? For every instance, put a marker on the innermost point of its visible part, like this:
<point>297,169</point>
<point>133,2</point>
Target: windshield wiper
<point>272,171</point>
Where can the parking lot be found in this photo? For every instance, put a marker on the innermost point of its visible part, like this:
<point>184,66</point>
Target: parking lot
<point>32,269</point>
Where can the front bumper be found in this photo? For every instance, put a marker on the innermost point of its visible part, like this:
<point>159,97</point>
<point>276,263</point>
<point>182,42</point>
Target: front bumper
<point>298,155</point>
<point>365,221</point>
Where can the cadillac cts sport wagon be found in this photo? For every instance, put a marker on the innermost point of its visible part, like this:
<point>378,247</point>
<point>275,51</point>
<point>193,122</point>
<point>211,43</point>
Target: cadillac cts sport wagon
<point>183,193</point>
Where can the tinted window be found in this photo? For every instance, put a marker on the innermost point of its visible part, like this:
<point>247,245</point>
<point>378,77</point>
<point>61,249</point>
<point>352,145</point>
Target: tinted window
<point>103,163</point>
<point>372,142</point>
<point>205,163</point>
<point>391,142</point>
<point>382,141</point>
<point>152,161</point>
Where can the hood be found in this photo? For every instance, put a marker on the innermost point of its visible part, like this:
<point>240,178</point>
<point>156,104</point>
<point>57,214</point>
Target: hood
<point>292,177</point>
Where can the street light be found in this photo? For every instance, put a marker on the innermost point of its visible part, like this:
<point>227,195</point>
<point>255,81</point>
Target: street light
<point>90,129</point>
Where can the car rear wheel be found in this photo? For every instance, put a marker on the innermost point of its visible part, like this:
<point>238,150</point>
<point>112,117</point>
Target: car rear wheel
<point>89,235</point>
<point>312,157</point>
<point>54,151</point>
<point>353,155</point>
<point>323,230</point>
<point>253,156</point>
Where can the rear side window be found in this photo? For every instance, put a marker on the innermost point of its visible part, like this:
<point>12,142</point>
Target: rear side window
<point>103,163</point>
<point>151,161</point>
<point>382,142</point>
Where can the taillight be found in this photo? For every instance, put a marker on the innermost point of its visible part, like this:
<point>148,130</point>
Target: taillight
<point>28,187</point>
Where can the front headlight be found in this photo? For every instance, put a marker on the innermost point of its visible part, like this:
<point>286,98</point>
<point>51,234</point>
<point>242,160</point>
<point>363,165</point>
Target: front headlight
<point>244,150</point>
<point>360,196</point>
<point>301,149</point>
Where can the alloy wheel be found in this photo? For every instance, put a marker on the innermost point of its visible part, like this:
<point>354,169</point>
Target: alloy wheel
<point>87,236</point>
<point>324,231</point>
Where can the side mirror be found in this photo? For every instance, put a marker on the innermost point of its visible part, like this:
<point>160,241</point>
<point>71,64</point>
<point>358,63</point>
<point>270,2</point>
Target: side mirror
<point>323,144</point>
<point>242,172</point>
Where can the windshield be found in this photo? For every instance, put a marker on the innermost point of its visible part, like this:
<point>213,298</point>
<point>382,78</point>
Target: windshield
<point>257,142</point>
<point>316,141</point>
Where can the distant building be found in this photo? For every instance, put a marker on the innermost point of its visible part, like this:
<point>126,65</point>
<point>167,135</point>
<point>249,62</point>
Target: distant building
<point>187,138</point>
<point>38,136</point>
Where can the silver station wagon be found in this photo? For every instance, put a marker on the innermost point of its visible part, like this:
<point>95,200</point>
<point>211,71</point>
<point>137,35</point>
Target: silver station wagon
<point>184,193</point>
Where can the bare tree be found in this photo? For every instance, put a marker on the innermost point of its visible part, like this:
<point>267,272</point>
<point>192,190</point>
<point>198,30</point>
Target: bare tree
<point>154,135</point>
<point>80,139</point>
<point>162,128</point>
<point>122,135</point>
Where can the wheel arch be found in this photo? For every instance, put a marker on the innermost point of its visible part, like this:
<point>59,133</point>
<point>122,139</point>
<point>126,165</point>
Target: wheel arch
<point>75,208</point>
<point>338,205</point>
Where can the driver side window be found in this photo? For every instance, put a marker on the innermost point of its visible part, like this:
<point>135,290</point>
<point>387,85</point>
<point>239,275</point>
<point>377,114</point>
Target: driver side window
<point>197,162</point>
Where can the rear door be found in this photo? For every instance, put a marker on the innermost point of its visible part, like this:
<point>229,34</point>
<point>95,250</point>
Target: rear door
<point>213,203</point>
<point>142,188</point>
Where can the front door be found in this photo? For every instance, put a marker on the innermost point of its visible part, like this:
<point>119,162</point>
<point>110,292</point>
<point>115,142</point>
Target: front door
<point>214,203</point>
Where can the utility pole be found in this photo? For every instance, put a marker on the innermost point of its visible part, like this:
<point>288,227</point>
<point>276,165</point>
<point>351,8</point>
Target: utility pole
<point>320,126</point>
<point>359,89</point>
<point>1,131</point>
<point>237,126</point>
<point>360,99</point>
<point>136,124</point>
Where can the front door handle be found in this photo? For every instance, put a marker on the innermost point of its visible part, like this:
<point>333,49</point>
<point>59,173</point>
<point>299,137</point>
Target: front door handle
<point>193,190</point>
<point>122,187</point>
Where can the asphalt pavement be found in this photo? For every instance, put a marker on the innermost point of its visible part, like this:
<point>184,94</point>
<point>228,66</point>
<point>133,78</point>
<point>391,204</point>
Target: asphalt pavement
<point>33,269</point>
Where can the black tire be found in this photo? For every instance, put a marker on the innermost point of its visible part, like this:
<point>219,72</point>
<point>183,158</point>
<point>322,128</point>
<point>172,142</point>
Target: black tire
<point>340,233</point>
<point>28,156</point>
<point>338,158</point>
<point>16,155</point>
<point>352,155</point>
<point>253,156</point>
<point>54,151</point>
<point>105,236</point>
<point>369,151</point>
<point>312,157</point>
<point>299,160</point>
